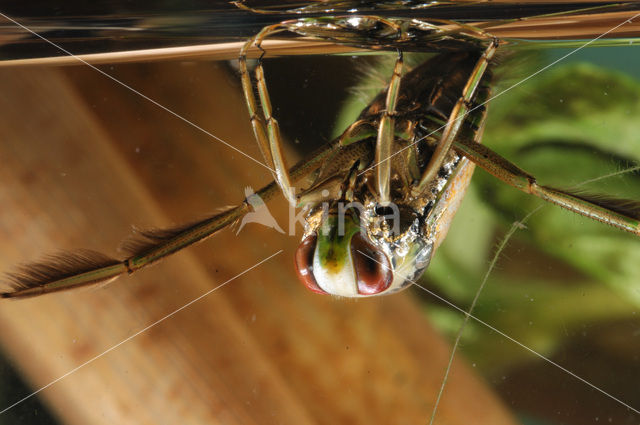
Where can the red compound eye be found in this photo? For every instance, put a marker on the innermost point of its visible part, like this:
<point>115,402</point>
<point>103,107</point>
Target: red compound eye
<point>304,264</point>
<point>373,269</point>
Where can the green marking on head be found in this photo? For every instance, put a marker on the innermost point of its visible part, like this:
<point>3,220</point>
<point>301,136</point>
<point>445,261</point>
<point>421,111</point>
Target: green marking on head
<point>333,248</point>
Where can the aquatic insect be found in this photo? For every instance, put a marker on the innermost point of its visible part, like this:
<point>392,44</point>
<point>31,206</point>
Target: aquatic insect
<point>351,182</point>
<point>401,161</point>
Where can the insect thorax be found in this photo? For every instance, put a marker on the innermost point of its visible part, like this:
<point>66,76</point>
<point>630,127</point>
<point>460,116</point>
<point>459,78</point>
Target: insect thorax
<point>412,224</point>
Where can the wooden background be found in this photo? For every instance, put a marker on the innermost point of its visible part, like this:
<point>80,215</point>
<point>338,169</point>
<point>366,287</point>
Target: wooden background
<point>82,159</point>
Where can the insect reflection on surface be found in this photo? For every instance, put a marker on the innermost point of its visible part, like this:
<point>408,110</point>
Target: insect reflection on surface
<point>169,184</point>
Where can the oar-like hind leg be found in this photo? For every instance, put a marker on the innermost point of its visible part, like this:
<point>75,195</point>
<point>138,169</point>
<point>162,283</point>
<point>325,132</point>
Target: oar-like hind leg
<point>70,270</point>
<point>621,213</point>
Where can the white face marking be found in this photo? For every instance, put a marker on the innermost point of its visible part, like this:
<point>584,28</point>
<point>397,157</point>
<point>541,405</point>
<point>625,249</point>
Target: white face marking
<point>341,282</point>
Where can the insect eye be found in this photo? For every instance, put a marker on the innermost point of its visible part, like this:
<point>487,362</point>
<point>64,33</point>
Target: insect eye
<point>304,264</point>
<point>372,267</point>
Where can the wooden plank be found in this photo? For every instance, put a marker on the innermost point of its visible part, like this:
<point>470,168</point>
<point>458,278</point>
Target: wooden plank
<point>82,160</point>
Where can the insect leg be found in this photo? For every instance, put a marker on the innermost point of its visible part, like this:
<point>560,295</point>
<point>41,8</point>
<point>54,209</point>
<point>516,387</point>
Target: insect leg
<point>267,131</point>
<point>412,172</point>
<point>85,268</point>
<point>256,120</point>
<point>624,214</point>
<point>386,134</point>
<point>456,118</point>
<point>155,245</point>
